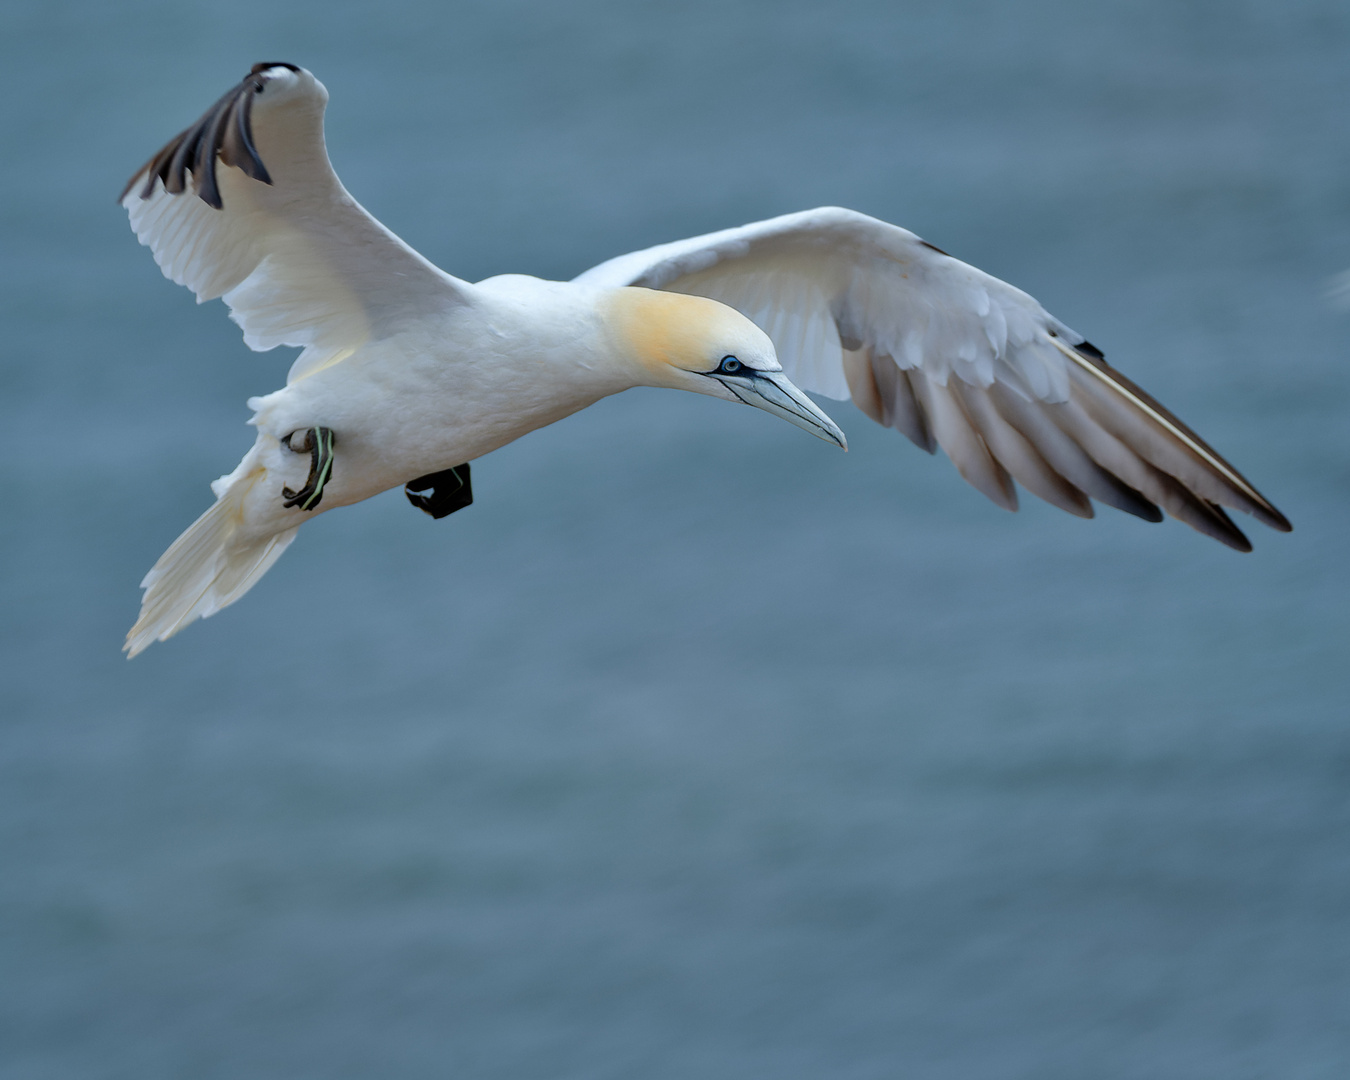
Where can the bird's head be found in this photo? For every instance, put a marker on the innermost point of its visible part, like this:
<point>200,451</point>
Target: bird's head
<point>693,343</point>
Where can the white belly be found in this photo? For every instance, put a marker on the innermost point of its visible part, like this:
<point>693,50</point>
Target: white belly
<point>417,403</point>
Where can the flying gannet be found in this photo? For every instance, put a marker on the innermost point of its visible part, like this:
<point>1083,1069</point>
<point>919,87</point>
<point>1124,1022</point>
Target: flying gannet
<point>407,374</point>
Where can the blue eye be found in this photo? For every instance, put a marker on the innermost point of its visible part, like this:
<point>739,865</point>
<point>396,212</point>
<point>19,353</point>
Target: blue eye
<point>729,366</point>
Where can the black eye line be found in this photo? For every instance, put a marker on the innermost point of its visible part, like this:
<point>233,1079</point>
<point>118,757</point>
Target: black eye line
<point>740,369</point>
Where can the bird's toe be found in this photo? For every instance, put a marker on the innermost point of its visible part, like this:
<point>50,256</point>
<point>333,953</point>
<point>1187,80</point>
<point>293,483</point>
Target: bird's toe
<point>318,442</point>
<point>450,490</point>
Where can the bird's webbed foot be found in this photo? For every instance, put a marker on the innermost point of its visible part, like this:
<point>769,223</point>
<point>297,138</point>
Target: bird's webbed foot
<point>450,491</point>
<point>319,442</point>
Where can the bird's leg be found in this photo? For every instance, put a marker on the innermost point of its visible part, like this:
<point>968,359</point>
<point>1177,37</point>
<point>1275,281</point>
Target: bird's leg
<point>451,491</point>
<point>319,442</point>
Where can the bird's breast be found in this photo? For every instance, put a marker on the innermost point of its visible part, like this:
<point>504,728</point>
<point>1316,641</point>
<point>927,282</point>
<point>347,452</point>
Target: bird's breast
<point>441,394</point>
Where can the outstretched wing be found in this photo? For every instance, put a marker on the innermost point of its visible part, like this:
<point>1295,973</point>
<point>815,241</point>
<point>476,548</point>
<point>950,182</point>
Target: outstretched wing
<point>245,205</point>
<point>952,357</point>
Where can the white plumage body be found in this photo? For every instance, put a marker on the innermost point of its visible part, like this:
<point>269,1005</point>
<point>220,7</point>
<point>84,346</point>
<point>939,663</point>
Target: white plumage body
<point>450,388</point>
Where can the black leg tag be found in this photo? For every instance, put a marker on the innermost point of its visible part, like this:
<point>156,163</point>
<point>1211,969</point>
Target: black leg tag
<point>450,491</point>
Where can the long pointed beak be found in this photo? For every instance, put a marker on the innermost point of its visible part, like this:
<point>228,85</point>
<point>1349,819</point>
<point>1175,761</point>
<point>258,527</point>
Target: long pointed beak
<point>772,392</point>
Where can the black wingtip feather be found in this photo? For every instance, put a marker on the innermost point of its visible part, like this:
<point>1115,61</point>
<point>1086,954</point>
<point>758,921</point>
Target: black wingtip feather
<point>1245,497</point>
<point>1227,533</point>
<point>1134,502</point>
<point>1268,515</point>
<point>223,133</point>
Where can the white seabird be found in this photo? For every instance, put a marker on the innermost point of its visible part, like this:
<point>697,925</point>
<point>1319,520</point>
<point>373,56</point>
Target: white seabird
<point>408,374</point>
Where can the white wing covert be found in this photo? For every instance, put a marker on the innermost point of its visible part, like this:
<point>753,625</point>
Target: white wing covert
<point>245,205</point>
<point>952,357</point>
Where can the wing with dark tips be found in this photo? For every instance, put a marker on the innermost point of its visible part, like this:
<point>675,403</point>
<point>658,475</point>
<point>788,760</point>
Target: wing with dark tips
<point>953,357</point>
<point>244,205</point>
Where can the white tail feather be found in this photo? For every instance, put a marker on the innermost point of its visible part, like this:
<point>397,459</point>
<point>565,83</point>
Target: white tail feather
<point>204,570</point>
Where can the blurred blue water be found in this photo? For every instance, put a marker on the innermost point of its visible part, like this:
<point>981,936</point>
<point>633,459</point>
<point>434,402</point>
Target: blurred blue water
<point>693,748</point>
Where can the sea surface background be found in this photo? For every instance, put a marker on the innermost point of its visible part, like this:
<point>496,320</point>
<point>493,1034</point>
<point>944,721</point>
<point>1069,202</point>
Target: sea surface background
<point>695,748</point>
